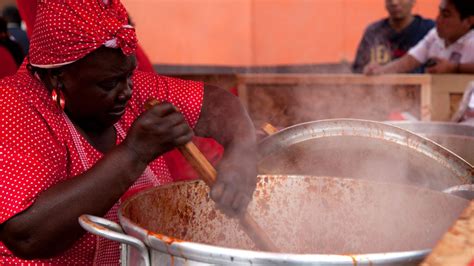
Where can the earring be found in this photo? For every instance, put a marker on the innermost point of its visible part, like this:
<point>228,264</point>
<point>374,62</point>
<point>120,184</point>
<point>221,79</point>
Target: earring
<point>58,96</point>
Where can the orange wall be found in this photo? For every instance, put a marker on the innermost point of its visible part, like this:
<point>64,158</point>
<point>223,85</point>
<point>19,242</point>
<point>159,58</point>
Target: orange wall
<point>256,32</point>
<point>4,3</point>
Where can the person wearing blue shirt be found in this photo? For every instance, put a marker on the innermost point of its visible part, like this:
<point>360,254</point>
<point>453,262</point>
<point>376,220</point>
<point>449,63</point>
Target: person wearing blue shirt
<point>392,37</point>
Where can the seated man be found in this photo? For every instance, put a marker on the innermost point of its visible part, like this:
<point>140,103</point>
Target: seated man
<point>392,37</point>
<point>448,49</point>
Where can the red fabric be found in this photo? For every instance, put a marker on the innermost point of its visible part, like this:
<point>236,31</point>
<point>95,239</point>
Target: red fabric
<point>395,116</point>
<point>67,30</point>
<point>234,91</point>
<point>144,63</point>
<point>181,170</point>
<point>471,263</point>
<point>27,10</point>
<point>37,151</point>
<point>8,67</point>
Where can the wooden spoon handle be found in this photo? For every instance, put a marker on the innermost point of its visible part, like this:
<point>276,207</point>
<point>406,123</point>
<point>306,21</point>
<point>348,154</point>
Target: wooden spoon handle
<point>208,174</point>
<point>269,129</point>
<point>257,234</point>
<point>199,162</point>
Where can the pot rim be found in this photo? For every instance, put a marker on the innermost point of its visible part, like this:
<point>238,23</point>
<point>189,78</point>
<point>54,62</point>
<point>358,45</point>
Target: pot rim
<point>217,254</point>
<point>286,137</point>
<point>433,128</point>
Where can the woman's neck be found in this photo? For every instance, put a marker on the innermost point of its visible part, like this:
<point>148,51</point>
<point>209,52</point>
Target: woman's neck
<point>102,140</point>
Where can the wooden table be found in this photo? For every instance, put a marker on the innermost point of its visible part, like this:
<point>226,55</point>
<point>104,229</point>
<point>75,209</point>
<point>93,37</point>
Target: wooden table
<point>317,96</point>
<point>456,248</point>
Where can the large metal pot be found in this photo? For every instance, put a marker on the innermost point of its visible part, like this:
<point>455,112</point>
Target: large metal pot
<point>458,138</point>
<point>362,149</point>
<point>313,220</point>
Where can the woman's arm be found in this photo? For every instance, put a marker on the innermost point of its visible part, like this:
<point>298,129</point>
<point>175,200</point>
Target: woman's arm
<point>224,118</point>
<point>49,226</point>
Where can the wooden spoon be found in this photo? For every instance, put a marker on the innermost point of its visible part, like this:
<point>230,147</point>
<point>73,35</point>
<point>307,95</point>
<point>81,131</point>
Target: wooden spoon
<point>269,129</point>
<point>208,174</point>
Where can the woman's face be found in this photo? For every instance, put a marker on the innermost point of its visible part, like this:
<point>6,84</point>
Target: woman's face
<point>97,88</point>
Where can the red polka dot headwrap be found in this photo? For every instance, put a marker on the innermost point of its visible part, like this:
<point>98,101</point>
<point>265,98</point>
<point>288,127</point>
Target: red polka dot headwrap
<point>67,30</point>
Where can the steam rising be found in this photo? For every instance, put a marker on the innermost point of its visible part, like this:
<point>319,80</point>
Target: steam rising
<point>336,215</point>
<point>286,105</point>
<point>360,157</point>
<point>305,215</point>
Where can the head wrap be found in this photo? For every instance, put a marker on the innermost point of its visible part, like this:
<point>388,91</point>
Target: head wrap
<point>67,30</point>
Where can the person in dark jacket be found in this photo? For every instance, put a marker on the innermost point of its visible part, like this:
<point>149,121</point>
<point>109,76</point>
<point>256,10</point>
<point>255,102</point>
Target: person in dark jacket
<point>7,43</point>
<point>13,18</point>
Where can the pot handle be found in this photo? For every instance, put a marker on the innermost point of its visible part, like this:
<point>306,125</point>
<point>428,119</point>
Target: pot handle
<point>464,191</point>
<point>113,231</point>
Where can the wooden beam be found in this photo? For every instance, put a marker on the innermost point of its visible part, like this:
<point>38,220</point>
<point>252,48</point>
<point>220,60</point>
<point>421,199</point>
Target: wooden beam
<point>435,90</point>
<point>334,79</point>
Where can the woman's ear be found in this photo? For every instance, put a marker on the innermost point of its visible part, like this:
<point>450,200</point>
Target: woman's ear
<point>54,78</point>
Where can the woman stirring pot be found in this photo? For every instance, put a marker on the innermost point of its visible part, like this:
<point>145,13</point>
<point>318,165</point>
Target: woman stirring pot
<point>75,137</point>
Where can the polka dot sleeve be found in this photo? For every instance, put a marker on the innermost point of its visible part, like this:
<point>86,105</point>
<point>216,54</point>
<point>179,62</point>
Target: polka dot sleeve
<point>32,157</point>
<point>187,95</point>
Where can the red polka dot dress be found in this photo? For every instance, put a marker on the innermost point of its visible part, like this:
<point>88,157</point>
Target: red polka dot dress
<point>38,149</point>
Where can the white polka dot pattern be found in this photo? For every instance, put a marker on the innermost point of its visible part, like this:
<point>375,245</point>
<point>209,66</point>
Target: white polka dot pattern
<point>67,30</point>
<point>37,151</point>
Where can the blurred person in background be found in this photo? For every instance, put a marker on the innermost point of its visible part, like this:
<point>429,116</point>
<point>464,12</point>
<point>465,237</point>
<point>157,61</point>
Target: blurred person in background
<point>392,37</point>
<point>13,18</point>
<point>447,49</point>
<point>11,54</point>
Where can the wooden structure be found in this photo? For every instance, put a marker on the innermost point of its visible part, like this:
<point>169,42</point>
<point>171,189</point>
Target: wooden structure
<point>457,245</point>
<point>287,99</point>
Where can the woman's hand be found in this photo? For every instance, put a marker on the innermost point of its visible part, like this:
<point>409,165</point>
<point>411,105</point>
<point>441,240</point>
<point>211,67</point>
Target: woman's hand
<point>156,131</point>
<point>224,118</point>
<point>235,184</point>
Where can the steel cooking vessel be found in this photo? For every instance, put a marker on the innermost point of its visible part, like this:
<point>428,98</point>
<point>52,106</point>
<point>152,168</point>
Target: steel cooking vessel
<point>313,220</point>
<point>362,149</point>
<point>458,138</point>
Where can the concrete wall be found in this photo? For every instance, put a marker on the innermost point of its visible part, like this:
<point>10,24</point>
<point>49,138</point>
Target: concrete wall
<point>256,32</point>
